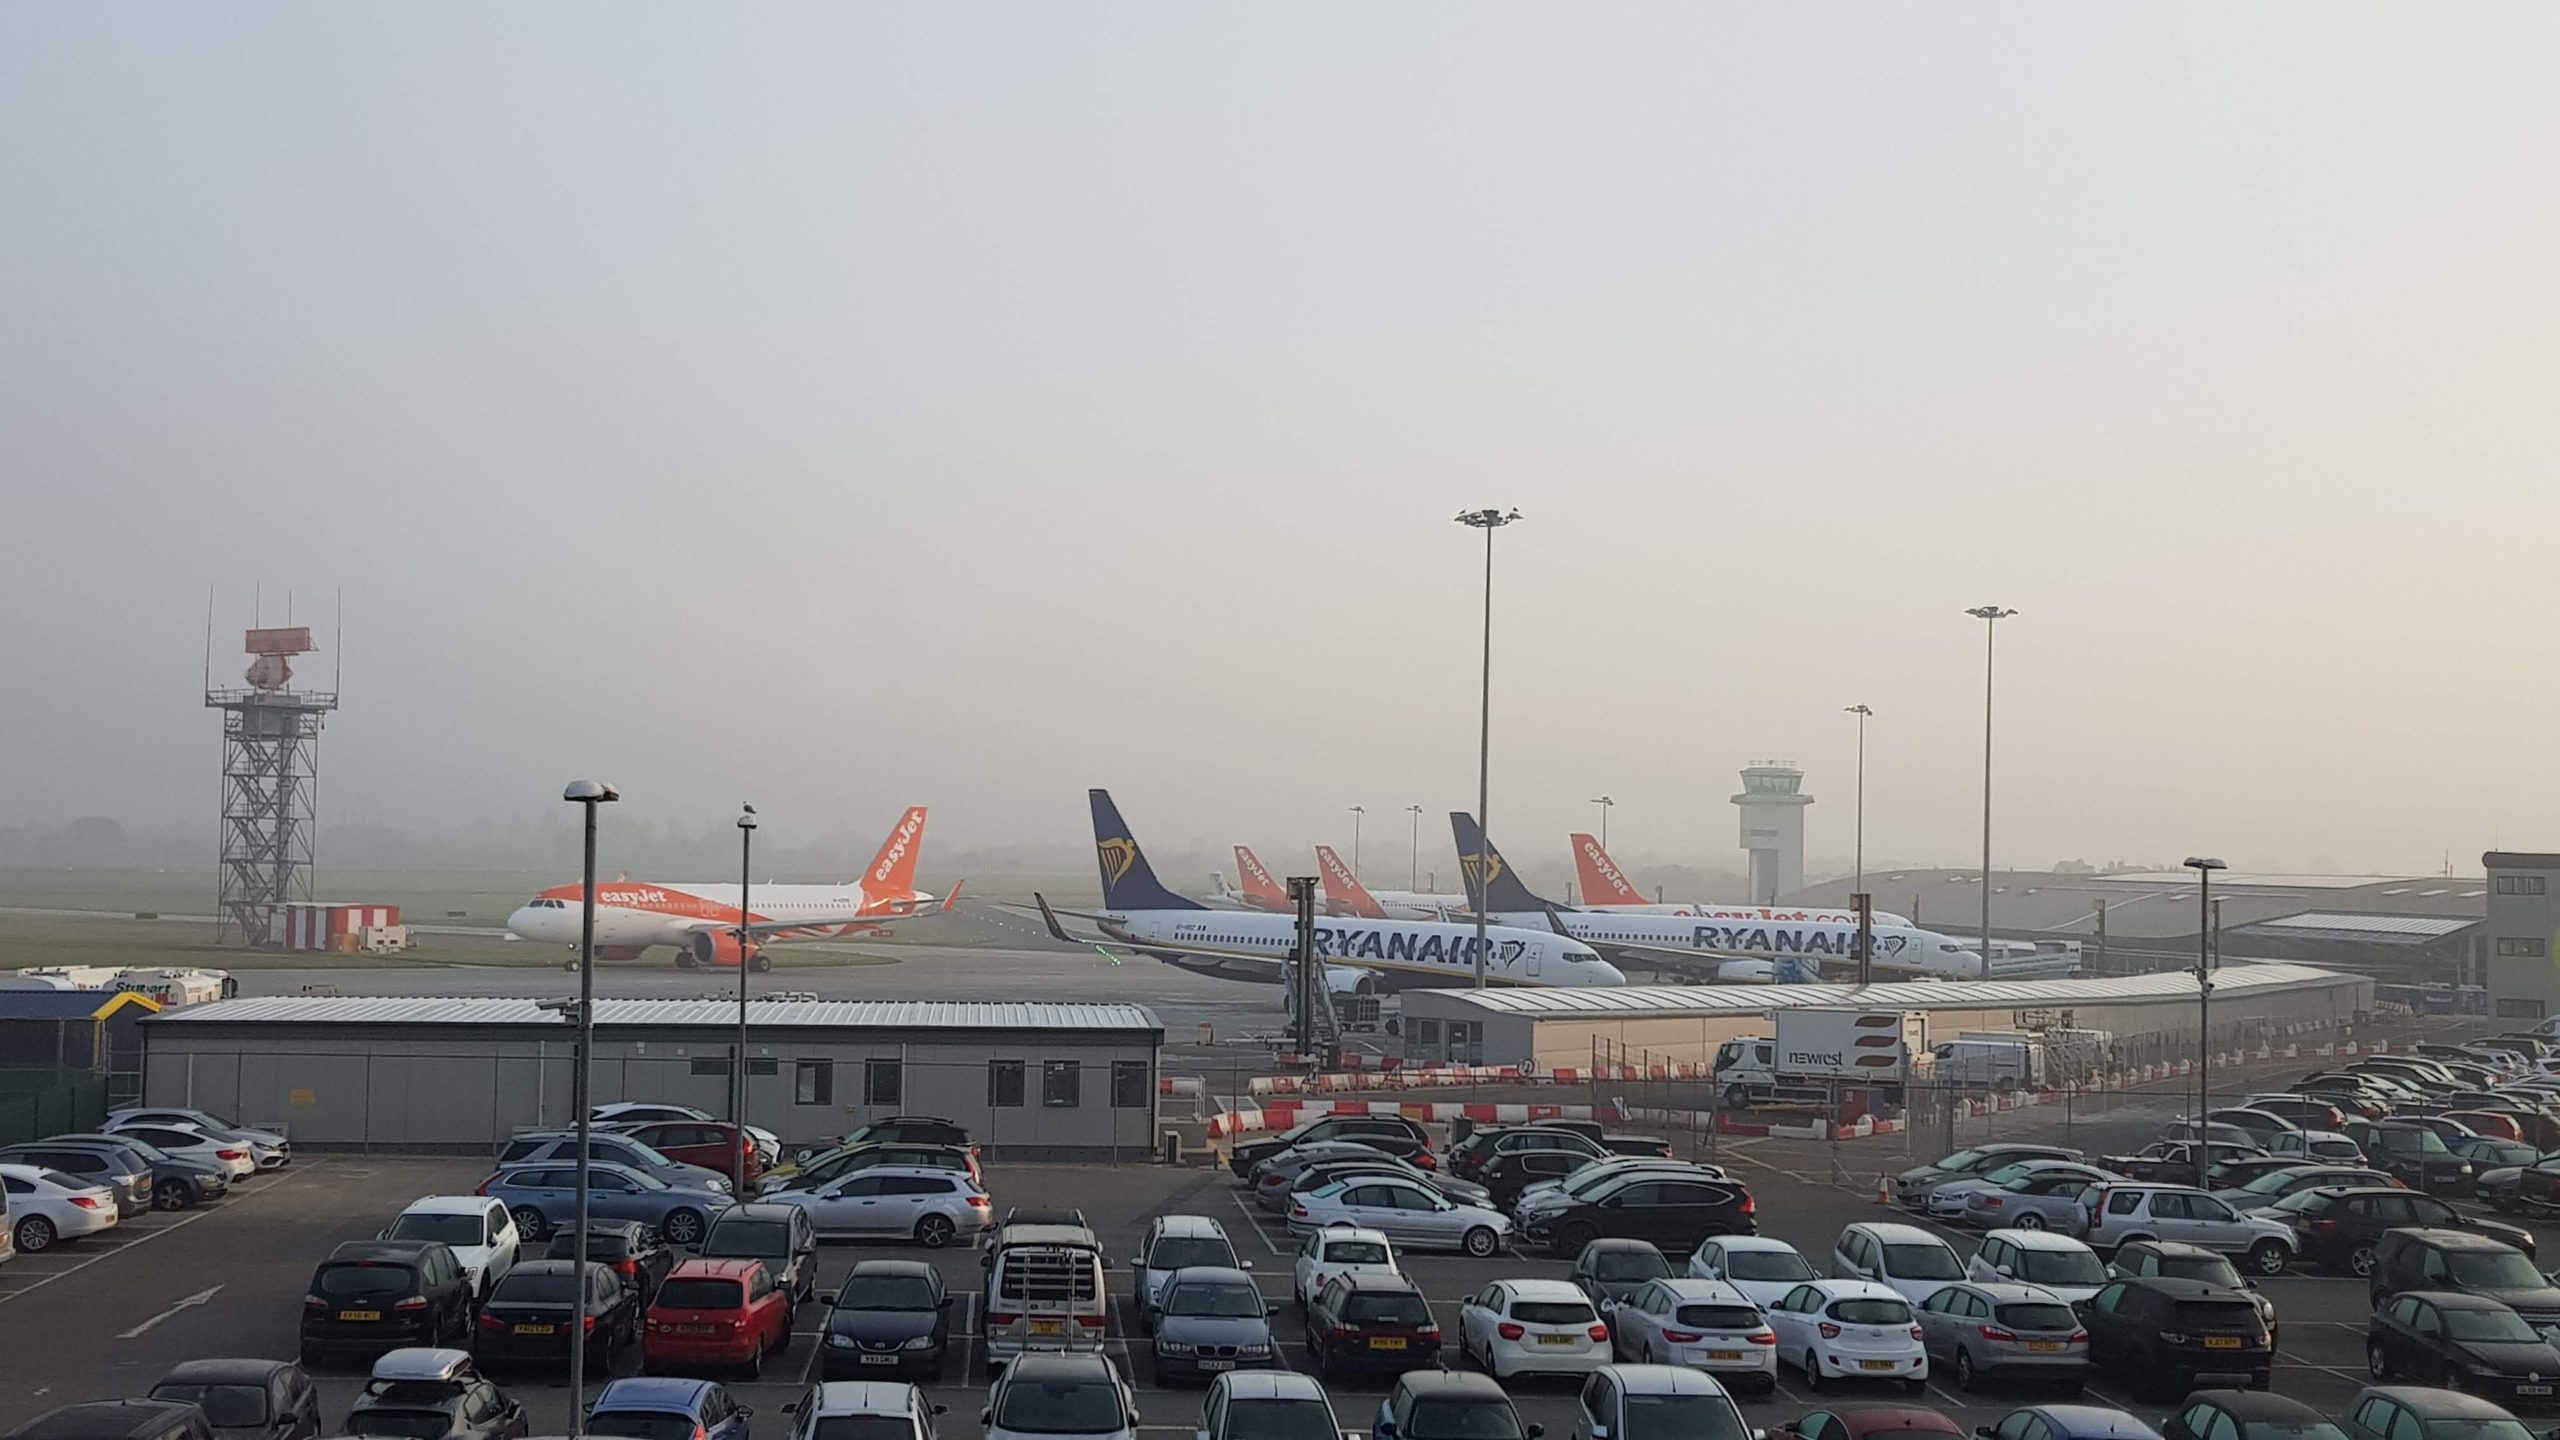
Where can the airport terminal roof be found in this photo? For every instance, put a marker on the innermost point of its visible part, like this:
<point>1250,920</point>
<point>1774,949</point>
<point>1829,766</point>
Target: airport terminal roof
<point>785,1014</point>
<point>2149,906</point>
<point>2231,983</point>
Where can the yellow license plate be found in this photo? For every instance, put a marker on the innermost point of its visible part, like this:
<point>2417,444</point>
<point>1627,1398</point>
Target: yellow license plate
<point>1387,1342</point>
<point>1875,1364</point>
<point>537,1329</point>
<point>2044,1347</point>
<point>2222,1342</point>
<point>1724,1354</point>
<point>359,1314</point>
<point>1048,1327</point>
<point>1558,1339</point>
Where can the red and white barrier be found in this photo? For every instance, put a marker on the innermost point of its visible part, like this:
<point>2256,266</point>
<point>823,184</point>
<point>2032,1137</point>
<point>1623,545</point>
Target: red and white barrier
<point>1288,1113</point>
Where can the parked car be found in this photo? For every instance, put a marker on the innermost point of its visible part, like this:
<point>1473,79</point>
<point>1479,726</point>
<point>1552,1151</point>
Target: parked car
<point>1514,1327</point>
<point>1045,1289</point>
<point>2309,1113</point>
<point>2382,1412</point>
<point>534,1314</point>
<point>544,1196</point>
<point>2462,1342</point>
<point>2340,1226</point>
<point>2216,1132</point>
<point>1468,1160</point>
<point>1906,1259</point>
<point>2040,1258</point>
<point>2247,1415</point>
<point>2118,1214</point>
<point>2488,1125</point>
<point>1869,1422</point>
<point>1267,1405</point>
<point>1211,1319</point>
<point>371,1296</point>
<point>1911,1185</point>
<point>2487,1153</point>
<point>1655,1400</point>
<point>2232,1174</point>
<point>1704,1325</point>
<point>2537,1188</point>
<point>235,1158</point>
<point>2258,1124</point>
<point>779,1235</point>
<point>118,1420</point>
<point>2174,1162</point>
<point>2047,1199</point>
<point>178,1182</point>
<point>2067,1422</point>
<point>1850,1329</point>
<point>1170,1243</point>
<point>1050,1395</point>
<point>1671,1211</point>
<point>2413,1153</point>
<point>477,1229</point>
<point>706,1144</point>
<point>627,1248</point>
<point>1409,1214</point>
<point>1766,1270</point>
<point>1505,1177</point>
<point>1607,1271</point>
<point>874,1409</point>
<point>2317,1147</point>
<point>1648,1146</point>
<point>716,1313</point>
<point>2464,1262</point>
<point>274,1150</point>
<point>2160,1337</point>
<point>120,1172</point>
<point>2177,1260</point>
<point>891,1318</point>
<point>433,1394</point>
<point>247,1399</point>
<point>1998,1329</point>
<point>640,1112</point>
<point>911,1130</point>
<point>1950,1199</point>
<point>932,1207</point>
<point>1250,1153</point>
<point>1546,1198</point>
<point>1271,1179</point>
<point>1365,1320</point>
<point>47,1206</point>
<point>1449,1405</point>
<point>643,1407</point>
<point>2273,1186</point>
<point>560,1147</point>
<point>1341,1250</point>
<point>1325,1172</point>
<point>835,1164</point>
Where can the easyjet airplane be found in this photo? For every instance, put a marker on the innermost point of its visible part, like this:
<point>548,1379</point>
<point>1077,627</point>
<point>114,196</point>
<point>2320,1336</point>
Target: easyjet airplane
<point>1605,887</point>
<point>701,920</point>
<point>1259,891</point>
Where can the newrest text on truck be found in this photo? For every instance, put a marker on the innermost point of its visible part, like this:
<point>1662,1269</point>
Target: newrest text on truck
<point>1814,1049</point>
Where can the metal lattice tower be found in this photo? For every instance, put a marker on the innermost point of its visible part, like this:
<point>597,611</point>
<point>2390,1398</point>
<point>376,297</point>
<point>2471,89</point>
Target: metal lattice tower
<point>270,787</point>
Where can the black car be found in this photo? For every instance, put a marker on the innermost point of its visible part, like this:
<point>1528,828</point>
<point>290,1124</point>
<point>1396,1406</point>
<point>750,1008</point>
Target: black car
<point>1366,1320</point>
<point>433,1395</point>
<point>1469,1157</point>
<point>2460,1260</point>
<point>2337,1227</point>
<point>118,1420</point>
<point>177,1181</point>
<point>2412,1152</point>
<point>2396,1412</point>
<point>1359,1128</point>
<point>911,1130</point>
<point>1611,1270</point>
<point>1651,1147</point>
<point>779,1235</point>
<point>2173,1162</point>
<point>2178,1260</point>
<point>1505,1176</point>
<point>628,1248</point>
<point>247,1399</point>
<point>1674,1212</point>
<point>533,1314</point>
<point>2462,1342</point>
<point>2245,1415</point>
<point>892,1319</point>
<point>1451,1405</point>
<point>375,1295</point>
<point>2161,1336</point>
<point>2232,1174</point>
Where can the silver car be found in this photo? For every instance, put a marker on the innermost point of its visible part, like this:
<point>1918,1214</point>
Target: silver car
<point>1413,1216</point>
<point>1980,1330</point>
<point>2045,1200</point>
<point>1210,1320</point>
<point>1946,1199</point>
<point>1045,1397</point>
<point>929,1205</point>
<point>1703,1324</point>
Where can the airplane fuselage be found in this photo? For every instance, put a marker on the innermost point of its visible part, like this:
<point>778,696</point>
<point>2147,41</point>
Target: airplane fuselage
<point>1402,952</point>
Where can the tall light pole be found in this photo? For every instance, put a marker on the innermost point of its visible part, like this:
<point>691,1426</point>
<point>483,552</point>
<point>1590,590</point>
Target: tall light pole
<point>1990,616</point>
<point>1487,521</point>
<point>1356,812</point>
<point>1859,848</point>
<point>2204,866</point>
<point>589,793</point>
<point>1413,865</point>
<point>746,948</point>
<point>1606,805</point>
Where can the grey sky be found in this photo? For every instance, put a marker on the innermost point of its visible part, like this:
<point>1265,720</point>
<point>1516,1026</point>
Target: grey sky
<point>843,407</point>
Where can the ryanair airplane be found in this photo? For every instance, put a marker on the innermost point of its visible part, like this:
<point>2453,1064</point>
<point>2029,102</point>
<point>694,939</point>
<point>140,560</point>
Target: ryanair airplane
<point>1358,954</point>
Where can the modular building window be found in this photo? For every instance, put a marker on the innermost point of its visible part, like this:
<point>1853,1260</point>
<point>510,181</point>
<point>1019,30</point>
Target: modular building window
<point>2526,947</point>
<point>2521,884</point>
<point>1004,1084</point>
<point>719,1065</point>
<point>1061,1084</point>
<point>1132,1086</point>
<point>813,1082</point>
<point>2519,1009</point>
<point>883,1082</point>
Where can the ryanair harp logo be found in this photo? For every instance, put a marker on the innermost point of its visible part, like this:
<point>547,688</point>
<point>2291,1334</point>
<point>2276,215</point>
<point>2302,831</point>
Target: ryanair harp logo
<point>1482,870</point>
<point>1118,855</point>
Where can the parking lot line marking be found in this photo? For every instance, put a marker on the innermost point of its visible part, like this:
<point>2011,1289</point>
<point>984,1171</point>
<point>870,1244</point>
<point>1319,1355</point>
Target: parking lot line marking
<point>181,1223</point>
<point>198,1298</point>
<point>1255,1221</point>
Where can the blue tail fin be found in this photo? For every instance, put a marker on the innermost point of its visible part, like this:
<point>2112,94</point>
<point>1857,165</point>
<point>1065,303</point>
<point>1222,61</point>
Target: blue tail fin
<point>1128,882</point>
<point>1491,887</point>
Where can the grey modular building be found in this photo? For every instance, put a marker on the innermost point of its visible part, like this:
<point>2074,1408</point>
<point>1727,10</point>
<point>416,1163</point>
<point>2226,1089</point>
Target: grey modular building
<point>1035,1080</point>
<point>2524,934</point>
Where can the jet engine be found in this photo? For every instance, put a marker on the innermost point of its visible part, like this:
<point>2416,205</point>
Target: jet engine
<point>718,950</point>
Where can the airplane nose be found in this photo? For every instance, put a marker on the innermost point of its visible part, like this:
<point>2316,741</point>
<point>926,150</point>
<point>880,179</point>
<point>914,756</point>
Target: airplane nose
<point>521,922</point>
<point>1604,973</point>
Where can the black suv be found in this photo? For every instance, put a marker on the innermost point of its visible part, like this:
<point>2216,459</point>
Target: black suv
<point>1468,1159</point>
<point>2162,1336</point>
<point>2178,1260</point>
<point>2464,1262</point>
<point>1371,1320</point>
<point>1675,1212</point>
<point>1244,1157</point>
<point>1505,1176</point>
<point>375,1295</point>
<point>911,1130</point>
<point>2337,1226</point>
<point>2411,1152</point>
<point>118,1420</point>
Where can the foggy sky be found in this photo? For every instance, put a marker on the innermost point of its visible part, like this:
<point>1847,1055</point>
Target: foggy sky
<point>843,408</point>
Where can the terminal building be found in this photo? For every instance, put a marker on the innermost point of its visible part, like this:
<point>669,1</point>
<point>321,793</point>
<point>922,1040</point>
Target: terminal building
<point>1028,1080</point>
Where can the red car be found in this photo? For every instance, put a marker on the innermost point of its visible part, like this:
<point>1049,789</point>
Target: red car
<point>715,1312</point>
<point>711,1144</point>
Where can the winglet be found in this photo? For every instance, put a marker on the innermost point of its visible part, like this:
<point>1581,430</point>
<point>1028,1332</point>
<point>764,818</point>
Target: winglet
<point>1049,918</point>
<point>952,900</point>
<point>1603,883</point>
<point>1344,890</point>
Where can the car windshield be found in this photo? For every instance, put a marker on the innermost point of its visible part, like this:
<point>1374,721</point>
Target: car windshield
<point>1682,1417</point>
<point>224,1405</point>
<point>1876,1311</point>
<point>1173,1252</point>
<point>2271,1183</point>
<point>606,1246</point>
<point>2474,1429</point>
<point>642,1424</point>
<point>2504,1270</point>
<point>446,1229</point>
<point>364,1282</point>
<point>2060,1267</point>
<point>1719,1317</point>
<point>687,1292</point>
<point>1629,1265</point>
<point>2036,1315</point>
<point>1215,1298</point>
<point>1388,1309</point>
<point>2502,1324</point>
<point>863,1427</point>
<point>2302,1202</point>
<point>1961,1160</point>
<point>746,1239</point>
<point>1280,1420</point>
<point>888,1292</point>
<point>2010,1171</point>
<point>1486,1419</point>
<point>2292,1430</point>
<point>535,1287</point>
<point>410,1424</point>
<point>1766,1265</point>
<point>1062,1406</point>
<point>2211,1269</point>
<point>1355,1252</point>
<point>1921,1262</point>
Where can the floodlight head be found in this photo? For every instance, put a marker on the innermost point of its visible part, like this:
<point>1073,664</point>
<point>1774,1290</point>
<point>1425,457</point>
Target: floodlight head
<point>747,821</point>
<point>590,792</point>
<point>1990,612</point>
<point>1856,710</point>
<point>1487,519</point>
<point>2205,862</point>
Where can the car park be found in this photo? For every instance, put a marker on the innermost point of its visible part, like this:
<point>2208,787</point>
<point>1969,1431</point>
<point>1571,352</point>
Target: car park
<point>1242,1158</point>
<point>433,1394</point>
<point>835,1164</point>
<point>1340,1250</point>
<point>932,1207</point>
<point>2398,1412</point>
<point>1672,1211</point>
<point>723,1314</point>
<point>2057,1263</point>
<point>2462,1342</point>
<point>118,1420</point>
<point>247,1399</point>
<point>2161,1337</point>
<point>1911,1186</point>
<point>1704,1325</point>
<point>479,1231</point>
<point>2246,1415</point>
<point>2177,1260</point>
<point>1266,1405</point>
<point>1850,1330</point>
<point>1547,1327</point>
<point>1655,1401</point>
<point>178,1182</point>
<point>1984,1331</point>
<point>626,1247</point>
<point>544,1196</point>
<point>1370,1320</point>
<point>1607,1271</point>
<point>47,1207</point>
<point>2340,1226</point>
<point>1903,1258</point>
<point>890,1319</point>
<point>2464,1262</point>
<point>1052,1395</point>
<point>1762,1267</point>
<point>1211,1319</point>
<point>2067,1422</point>
<point>235,1157</point>
<point>781,1236</point>
<point>862,1410</point>
<point>535,1315</point>
<point>559,1148</point>
<point>1410,1215</point>
<point>667,1408</point>
<point>371,1296</point>
<point>120,1172</point>
<point>1449,1405</point>
<point>711,1145</point>
<point>2118,1214</point>
<point>1171,1243</point>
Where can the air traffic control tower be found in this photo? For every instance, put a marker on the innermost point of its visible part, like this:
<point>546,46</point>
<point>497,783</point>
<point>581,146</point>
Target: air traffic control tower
<point>1772,804</point>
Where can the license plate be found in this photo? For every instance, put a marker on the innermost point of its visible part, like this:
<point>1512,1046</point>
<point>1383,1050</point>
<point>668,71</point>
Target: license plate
<point>537,1329</point>
<point>698,1329</point>
<point>1875,1365</point>
<point>879,1359</point>
<point>2533,1389</point>
<point>1724,1354</point>
<point>359,1314</point>
<point>1387,1343</point>
<point>1558,1339</point>
<point>2044,1347</point>
<point>1048,1327</point>
<point>2222,1342</point>
<point>1217,1364</point>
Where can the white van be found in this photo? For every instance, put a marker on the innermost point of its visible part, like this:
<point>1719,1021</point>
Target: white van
<point>2002,1063</point>
<point>1044,1291</point>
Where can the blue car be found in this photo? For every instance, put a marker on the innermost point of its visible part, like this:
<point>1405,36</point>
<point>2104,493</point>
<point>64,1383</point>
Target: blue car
<point>2067,1422</point>
<point>656,1408</point>
<point>544,1196</point>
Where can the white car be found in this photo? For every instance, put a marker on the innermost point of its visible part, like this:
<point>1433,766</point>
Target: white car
<point>1703,1324</point>
<point>273,1148</point>
<point>479,1230</point>
<point>1513,1327</point>
<point>880,1409</point>
<point>1904,1258</point>
<point>1256,1404</point>
<point>1761,1268</point>
<point>1341,1250</point>
<point>235,1157</point>
<point>642,1112</point>
<point>46,1206</point>
<point>1043,1395</point>
<point>2071,1270</point>
<point>1654,1400</point>
<point>1850,1329</point>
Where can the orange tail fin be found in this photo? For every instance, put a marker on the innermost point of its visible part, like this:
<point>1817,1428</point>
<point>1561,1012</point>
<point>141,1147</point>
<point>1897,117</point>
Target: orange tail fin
<point>892,875</point>
<point>1260,890</point>
<point>1343,892</point>
<point>1603,883</point>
